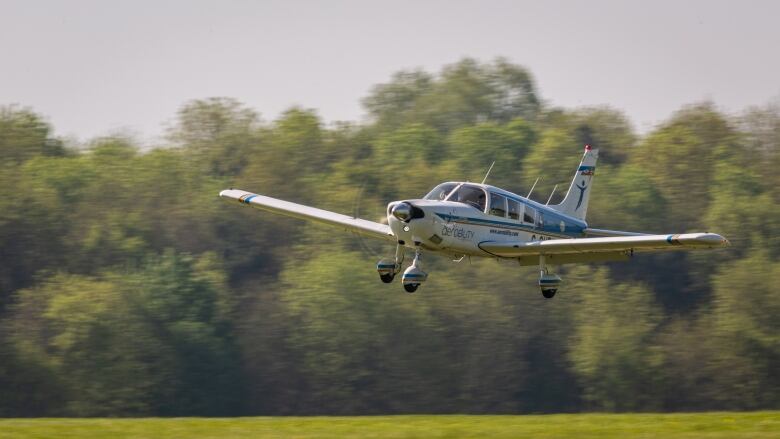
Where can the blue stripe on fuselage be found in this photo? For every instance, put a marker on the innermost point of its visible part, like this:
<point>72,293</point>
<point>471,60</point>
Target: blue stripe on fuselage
<point>523,227</point>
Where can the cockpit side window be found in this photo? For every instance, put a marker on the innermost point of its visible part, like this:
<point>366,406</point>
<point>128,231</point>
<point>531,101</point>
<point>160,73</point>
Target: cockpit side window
<point>528,216</point>
<point>440,192</point>
<point>471,195</point>
<point>515,209</point>
<point>497,205</point>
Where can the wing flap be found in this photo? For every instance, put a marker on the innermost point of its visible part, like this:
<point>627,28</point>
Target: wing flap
<point>287,208</point>
<point>575,258</point>
<point>685,241</point>
<point>603,233</point>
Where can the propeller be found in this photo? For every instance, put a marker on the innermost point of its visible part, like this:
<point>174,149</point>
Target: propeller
<point>376,216</point>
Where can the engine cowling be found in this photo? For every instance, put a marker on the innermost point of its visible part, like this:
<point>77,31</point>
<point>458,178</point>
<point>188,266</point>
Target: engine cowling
<point>405,211</point>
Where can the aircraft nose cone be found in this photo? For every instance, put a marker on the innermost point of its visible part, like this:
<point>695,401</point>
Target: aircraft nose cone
<point>402,211</point>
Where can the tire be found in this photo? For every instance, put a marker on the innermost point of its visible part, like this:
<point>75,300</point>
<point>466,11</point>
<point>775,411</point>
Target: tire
<point>411,288</point>
<point>387,278</point>
<point>548,294</point>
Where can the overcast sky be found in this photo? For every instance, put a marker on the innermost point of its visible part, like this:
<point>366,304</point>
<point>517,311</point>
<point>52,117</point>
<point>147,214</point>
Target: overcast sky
<point>98,67</point>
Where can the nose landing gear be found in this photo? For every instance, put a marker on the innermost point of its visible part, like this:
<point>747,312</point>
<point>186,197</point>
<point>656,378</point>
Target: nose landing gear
<point>414,276</point>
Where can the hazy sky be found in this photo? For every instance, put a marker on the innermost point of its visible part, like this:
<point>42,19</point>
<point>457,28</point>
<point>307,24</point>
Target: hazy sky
<point>96,67</point>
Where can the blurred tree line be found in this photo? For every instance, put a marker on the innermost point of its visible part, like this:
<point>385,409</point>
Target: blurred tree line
<point>127,287</point>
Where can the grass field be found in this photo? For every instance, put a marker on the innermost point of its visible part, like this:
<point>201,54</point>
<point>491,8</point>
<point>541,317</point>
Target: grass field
<point>690,425</point>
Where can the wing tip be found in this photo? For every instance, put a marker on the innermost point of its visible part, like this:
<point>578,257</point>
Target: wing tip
<point>231,193</point>
<point>716,240</point>
<point>710,240</point>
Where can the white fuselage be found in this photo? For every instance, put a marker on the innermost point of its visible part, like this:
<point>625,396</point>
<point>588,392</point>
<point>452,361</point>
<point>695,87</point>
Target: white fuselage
<point>456,228</point>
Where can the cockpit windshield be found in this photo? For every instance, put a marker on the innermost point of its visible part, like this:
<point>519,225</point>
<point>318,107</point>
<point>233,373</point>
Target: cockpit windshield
<point>441,191</point>
<point>474,196</point>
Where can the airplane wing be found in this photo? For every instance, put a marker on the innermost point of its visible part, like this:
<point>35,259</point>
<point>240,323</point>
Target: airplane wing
<point>607,245</point>
<point>348,223</point>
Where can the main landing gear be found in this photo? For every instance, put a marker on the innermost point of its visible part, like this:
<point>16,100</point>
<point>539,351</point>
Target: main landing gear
<point>412,277</point>
<point>388,268</point>
<point>548,283</point>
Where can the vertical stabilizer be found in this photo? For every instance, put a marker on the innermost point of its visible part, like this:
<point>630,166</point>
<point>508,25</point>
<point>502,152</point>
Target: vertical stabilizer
<point>575,203</point>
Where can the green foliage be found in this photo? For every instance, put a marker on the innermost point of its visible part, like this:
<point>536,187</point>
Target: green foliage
<point>128,288</point>
<point>154,341</point>
<point>674,156</point>
<point>24,135</point>
<point>407,151</point>
<point>746,306</point>
<point>612,349</point>
<point>474,148</point>
<point>552,161</point>
<point>346,350</point>
<point>466,92</point>
<point>642,205</point>
<point>391,103</point>
<point>219,133</point>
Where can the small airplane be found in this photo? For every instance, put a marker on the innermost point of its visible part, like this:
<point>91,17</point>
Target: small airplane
<point>460,219</point>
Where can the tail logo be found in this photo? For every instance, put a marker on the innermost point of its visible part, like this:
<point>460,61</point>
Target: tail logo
<point>582,194</point>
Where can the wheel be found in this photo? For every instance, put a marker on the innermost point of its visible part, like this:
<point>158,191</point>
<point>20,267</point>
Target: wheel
<point>411,288</point>
<point>387,278</point>
<point>548,294</point>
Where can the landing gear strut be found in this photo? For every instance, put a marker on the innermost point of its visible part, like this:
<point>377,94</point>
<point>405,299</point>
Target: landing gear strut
<point>388,268</point>
<point>548,283</point>
<point>414,276</point>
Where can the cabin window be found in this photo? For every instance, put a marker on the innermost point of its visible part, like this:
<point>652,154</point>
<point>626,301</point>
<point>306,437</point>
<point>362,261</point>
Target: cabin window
<point>515,209</point>
<point>497,205</point>
<point>472,195</point>
<point>440,192</point>
<point>528,216</point>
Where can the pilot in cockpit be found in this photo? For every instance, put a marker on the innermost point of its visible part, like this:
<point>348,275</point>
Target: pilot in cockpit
<point>465,193</point>
<point>472,196</point>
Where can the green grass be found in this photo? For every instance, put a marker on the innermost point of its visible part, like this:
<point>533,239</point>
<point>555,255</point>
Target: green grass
<point>687,425</point>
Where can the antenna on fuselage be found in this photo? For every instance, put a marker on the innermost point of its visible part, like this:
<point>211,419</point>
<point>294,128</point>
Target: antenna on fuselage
<point>532,188</point>
<point>488,172</point>
<point>551,194</point>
